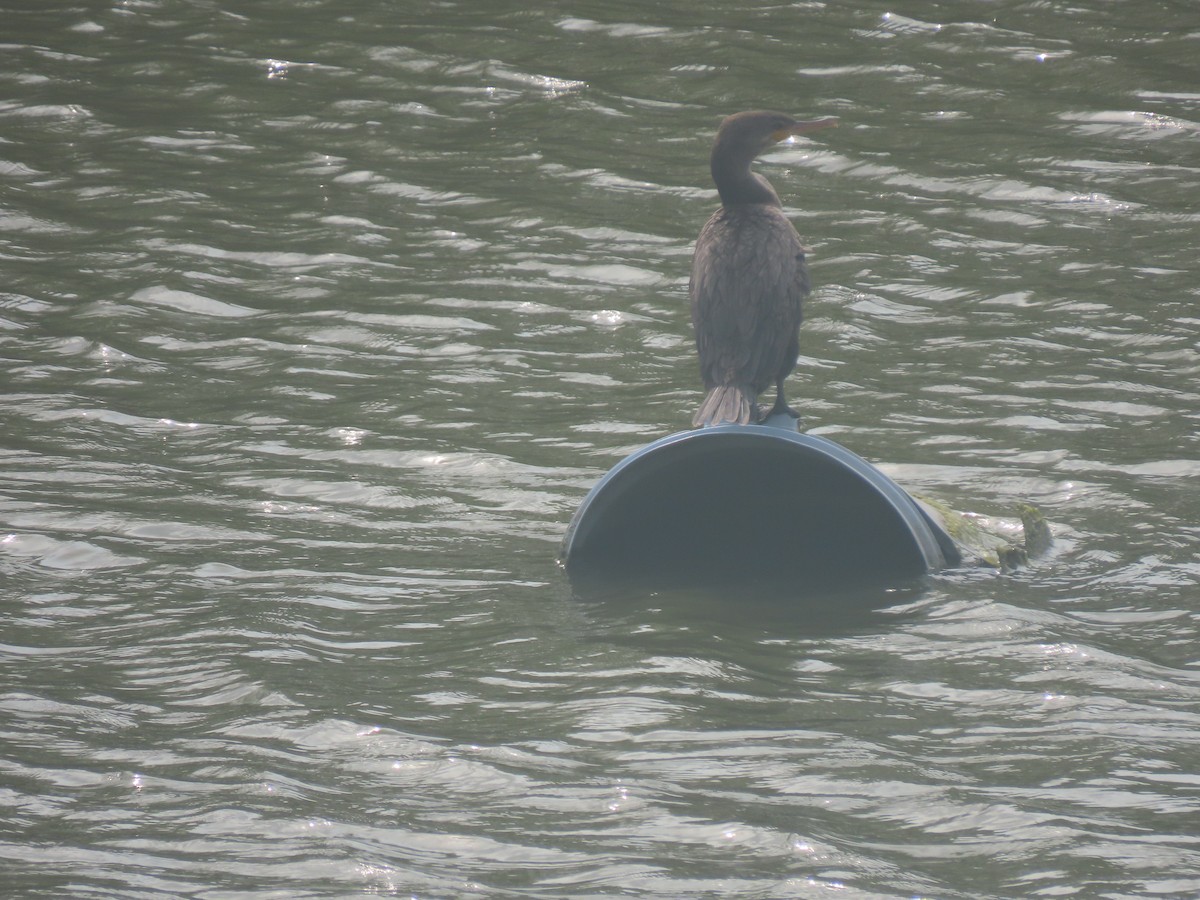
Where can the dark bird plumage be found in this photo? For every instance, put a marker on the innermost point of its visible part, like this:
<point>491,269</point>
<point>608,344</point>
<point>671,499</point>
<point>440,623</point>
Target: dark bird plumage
<point>749,279</point>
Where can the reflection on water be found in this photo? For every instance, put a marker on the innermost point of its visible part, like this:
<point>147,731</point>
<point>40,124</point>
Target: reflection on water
<point>318,323</point>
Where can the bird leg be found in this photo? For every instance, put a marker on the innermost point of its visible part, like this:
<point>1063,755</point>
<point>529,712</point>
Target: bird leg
<point>780,408</point>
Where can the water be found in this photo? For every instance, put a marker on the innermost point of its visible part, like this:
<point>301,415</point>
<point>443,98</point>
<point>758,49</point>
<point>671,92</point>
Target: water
<point>318,321</point>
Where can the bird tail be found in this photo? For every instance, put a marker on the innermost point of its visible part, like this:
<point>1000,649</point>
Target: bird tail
<point>727,404</point>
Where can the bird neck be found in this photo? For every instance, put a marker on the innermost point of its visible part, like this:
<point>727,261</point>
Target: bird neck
<point>738,186</point>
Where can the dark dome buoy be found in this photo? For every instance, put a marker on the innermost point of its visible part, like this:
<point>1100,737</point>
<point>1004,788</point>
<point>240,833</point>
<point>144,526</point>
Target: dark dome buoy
<point>751,504</point>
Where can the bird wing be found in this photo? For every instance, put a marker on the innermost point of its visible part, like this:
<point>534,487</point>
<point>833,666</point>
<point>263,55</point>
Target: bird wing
<point>748,284</point>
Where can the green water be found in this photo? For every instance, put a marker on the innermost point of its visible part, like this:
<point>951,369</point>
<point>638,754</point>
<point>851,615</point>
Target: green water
<point>318,320</point>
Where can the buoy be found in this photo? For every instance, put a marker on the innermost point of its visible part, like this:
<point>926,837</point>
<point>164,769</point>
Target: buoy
<point>751,504</point>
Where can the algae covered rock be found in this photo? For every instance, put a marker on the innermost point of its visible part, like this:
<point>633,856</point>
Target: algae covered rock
<point>998,542</point>
<point>1037,530</point>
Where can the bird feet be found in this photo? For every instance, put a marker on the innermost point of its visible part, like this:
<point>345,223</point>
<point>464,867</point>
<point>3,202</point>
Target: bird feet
<point>780,408</point>
<point>782,416</point>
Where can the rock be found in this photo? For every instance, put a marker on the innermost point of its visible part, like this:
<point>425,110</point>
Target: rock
<point>999,543</point>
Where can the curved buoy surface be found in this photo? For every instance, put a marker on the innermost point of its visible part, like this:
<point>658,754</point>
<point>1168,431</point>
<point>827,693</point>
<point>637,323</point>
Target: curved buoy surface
<point>751,503</point>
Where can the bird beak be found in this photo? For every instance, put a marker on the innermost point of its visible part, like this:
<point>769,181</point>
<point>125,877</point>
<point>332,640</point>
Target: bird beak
<point>804,127</point>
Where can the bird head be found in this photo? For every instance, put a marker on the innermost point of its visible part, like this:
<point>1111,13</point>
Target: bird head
<point>745,135</point>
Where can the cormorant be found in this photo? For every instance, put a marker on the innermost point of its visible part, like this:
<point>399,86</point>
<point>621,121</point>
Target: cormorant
<point>749,279</point>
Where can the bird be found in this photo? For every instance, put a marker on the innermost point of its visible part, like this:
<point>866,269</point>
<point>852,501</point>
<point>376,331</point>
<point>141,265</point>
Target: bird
<point>749,278</point>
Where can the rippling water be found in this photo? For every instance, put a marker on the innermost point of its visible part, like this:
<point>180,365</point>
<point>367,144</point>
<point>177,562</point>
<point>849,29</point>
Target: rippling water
<point>318,320</point>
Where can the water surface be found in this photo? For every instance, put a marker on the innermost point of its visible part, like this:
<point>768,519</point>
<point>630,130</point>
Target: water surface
<point>319,320</point>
